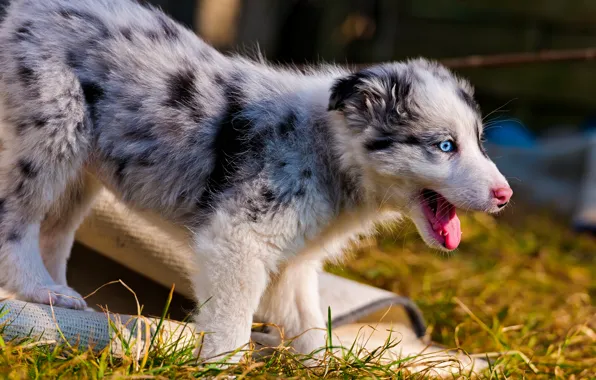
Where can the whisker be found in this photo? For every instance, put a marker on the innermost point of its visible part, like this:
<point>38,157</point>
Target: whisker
<point>499,108</point>
<point>494,123</point>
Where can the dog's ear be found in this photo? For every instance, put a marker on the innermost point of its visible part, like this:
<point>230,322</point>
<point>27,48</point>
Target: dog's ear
<point>382,96</point>
<point>343,89</point>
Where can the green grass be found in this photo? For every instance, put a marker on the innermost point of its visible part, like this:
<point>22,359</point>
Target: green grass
<point>520,287</point>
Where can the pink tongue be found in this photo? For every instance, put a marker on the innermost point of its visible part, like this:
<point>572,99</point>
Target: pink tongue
<point>447,223</point>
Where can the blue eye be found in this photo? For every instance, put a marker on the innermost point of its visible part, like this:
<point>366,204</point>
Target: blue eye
<point>447,146</point>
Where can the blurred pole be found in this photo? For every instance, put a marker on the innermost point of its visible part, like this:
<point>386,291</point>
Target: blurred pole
<point>217,20</point>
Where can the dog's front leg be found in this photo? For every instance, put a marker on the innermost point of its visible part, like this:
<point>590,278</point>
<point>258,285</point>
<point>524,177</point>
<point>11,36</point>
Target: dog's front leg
<point>232,277</point>
<point>292,303</point>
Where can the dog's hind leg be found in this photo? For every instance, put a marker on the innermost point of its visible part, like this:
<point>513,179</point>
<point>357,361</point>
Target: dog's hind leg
<point>45,130</point>
<point>61,222</point>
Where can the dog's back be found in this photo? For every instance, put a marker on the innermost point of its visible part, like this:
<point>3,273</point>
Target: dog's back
<point>154,95</point>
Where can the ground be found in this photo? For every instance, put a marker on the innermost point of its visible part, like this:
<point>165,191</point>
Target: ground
<point>520,287</point>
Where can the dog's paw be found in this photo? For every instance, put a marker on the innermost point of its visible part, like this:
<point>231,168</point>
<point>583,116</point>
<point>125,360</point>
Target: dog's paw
<point>56,295</point>
<point>311,342</point>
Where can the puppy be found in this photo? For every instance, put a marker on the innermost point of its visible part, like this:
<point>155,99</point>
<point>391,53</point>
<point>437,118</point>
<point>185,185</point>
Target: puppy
<point>272,170</point>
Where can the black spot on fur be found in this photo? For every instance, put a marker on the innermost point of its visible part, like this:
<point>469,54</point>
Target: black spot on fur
<point>306,173</point>
<point>14,236</point>
<point>26,74</point>
<point>27,168</point>
<point>24,33</point>
<point>2,206</point>
<point>387,139</point>
<point>72,59</point>
<point>92,95</point>
<point>182,88</point>
<point>126,33</point>
<point>152,35</point>
<point>169,29</point>
<point>92,92</point>
<point>379,143</point>
<point>268,195</point>
<point>230,143</point>
<point>410,140</point>
<point>288,125</point>
<point>219,79</point>
<point>468,99</point>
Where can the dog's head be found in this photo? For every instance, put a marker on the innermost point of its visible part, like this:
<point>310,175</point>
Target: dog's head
<point>415,132</point>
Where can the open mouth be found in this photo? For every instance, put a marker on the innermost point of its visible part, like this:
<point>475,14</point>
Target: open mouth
<point>442,219</point>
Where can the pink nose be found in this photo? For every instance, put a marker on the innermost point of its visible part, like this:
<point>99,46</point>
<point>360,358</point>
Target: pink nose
<point>502,195</point>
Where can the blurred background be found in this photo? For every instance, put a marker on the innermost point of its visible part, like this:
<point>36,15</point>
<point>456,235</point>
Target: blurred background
<point>533,65</point>
<point>543,95</point>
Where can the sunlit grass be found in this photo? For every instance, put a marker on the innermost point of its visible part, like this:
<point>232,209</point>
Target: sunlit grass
<point>520,289</point>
